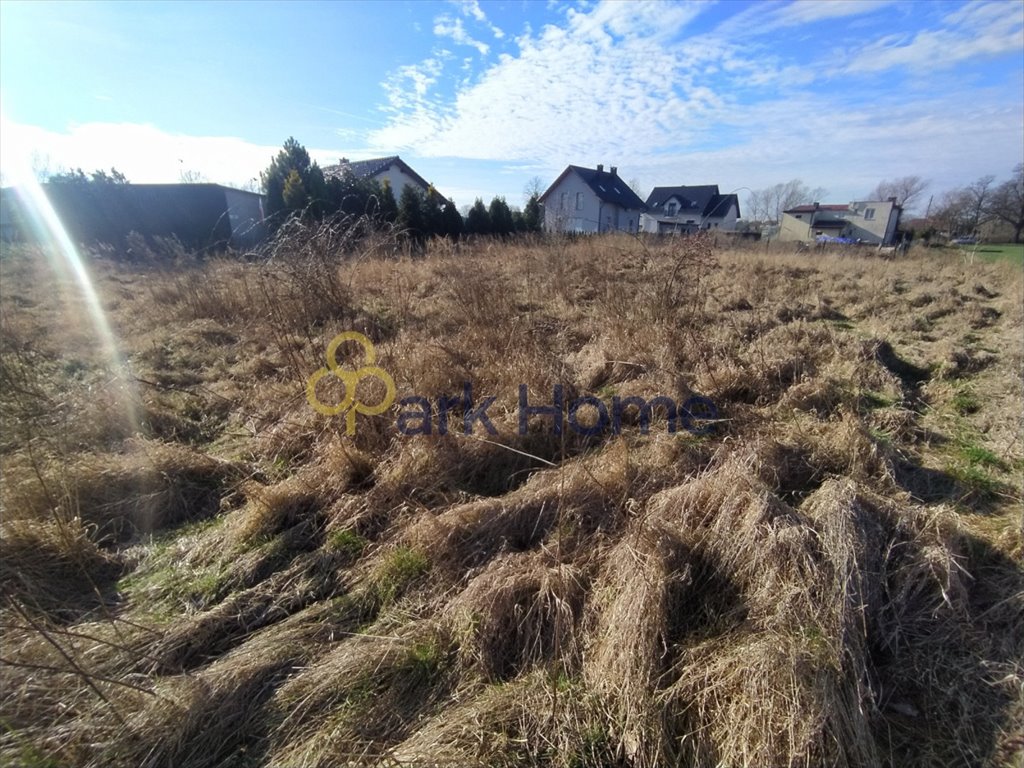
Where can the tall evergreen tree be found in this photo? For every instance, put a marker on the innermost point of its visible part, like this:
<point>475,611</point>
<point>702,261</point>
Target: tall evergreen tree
<point>309,187</point>
<point>410,213</point>
<point>294,195</point>
<point>452,224</point>
<point>478,221</point>
<point>533,215</point>
<point>432,212</point>
<point>500,216</point>
<point>387,207</point>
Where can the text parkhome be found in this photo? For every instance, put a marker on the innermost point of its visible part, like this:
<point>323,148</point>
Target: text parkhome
<point>587,415</point>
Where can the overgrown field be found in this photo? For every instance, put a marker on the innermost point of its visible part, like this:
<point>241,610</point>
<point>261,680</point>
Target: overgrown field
<point>199,569</point>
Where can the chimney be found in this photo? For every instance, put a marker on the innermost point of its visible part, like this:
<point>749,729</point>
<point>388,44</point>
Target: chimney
<point>600,168</point>
<point>344,161</point>
<point>613,171</point>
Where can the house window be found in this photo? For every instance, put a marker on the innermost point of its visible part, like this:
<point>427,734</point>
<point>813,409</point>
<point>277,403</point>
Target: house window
<point>579,201</point>
<point>797,216</point>
<point>672,208</point>
<point>869,214</point>
<point>562,200</point>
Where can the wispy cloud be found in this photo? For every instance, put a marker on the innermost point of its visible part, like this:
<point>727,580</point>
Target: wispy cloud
<point>452,27</point>
<point>626,83</point>
<point>472,9</point>
<point>808,11</point>
<point>765,17</point>
<point>568,91</point>
<point>974,31</point>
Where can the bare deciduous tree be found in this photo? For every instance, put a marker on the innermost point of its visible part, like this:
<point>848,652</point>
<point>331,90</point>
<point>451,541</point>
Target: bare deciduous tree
<point>1007,202</point>
<point>534,186</point>
<point>191,177</point>
<point>950,213</point>
<point>975,198</point>
<point>907,190</point>
<point>768,204</point>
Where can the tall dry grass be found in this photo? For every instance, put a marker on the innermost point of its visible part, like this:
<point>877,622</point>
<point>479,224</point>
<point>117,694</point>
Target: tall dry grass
<point>199,569</point>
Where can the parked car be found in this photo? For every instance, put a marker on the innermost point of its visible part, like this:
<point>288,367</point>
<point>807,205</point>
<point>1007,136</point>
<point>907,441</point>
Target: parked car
<point>966,240</point>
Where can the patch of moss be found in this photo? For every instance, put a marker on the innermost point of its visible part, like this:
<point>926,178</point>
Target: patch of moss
<point>965,402</point>
<point>347,543</point>
<point>398,570</point>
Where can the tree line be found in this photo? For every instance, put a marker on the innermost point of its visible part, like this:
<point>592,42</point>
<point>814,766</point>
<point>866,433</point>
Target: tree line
<point>964,210</point>
<point>294,185</point>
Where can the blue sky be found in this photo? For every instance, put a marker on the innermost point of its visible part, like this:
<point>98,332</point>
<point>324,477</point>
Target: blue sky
<point>480,97</point>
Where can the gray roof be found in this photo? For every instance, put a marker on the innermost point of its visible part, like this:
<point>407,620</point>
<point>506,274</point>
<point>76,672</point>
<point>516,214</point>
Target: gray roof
<point>363,169</point>
<point>608,187</point>
<point>702,200</point>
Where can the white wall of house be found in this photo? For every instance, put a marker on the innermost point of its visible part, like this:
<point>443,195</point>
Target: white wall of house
<point>571,206</point>
<point>872,221</point>
<point>795,227</point>
<point>397,178</point>
<point>725,218</point>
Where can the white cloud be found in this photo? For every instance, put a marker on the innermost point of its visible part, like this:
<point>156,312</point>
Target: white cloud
<point>471,9</point>
<point>569,91</point>
<point>622,84</point>
<point>808,11</point>
<point>144,153</point>
<point>973,31</point>
<point>446,26</point>
<point>419,77</point>
<point>764,17</point>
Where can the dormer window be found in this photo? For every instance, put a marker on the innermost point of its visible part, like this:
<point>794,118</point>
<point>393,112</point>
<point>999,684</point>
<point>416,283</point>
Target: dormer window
<point>672,208</point>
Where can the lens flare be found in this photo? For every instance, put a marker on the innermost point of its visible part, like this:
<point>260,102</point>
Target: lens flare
<point>67,264</point>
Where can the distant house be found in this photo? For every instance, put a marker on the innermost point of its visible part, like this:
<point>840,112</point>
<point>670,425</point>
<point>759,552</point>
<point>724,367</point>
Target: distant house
<point>869,221</point>
<point>393,170</point>
<point>679,210</point>
<point>591,200</point>
<point>199,215</point>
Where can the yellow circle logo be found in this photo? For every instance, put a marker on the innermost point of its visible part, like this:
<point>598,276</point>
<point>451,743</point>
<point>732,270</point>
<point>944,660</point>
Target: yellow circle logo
<point>350,380</point>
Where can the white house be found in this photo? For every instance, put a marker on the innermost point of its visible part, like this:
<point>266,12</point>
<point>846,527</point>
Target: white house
<point>589,200</point>
<point>869,221</point>
<point>679,210</point>
<point>393,170</point>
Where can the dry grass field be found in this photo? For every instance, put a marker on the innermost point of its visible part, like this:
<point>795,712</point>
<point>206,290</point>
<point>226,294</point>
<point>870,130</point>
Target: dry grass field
<point>199,569</point>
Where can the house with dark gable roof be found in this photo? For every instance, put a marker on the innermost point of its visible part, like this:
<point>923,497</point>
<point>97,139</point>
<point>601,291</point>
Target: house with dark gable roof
<point>591,200</point>
<point>680,210</point>
<point>393,170</point>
